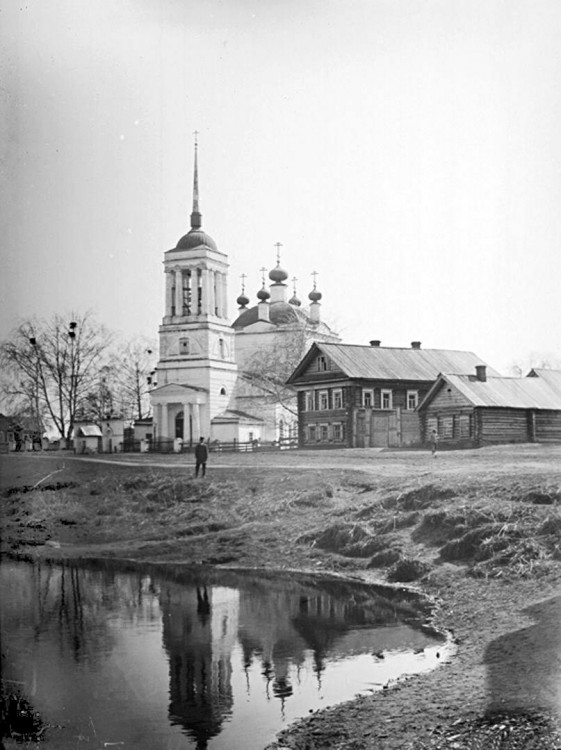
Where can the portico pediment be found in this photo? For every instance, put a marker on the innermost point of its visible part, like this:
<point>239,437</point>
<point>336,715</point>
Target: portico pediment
<point>179,392</point>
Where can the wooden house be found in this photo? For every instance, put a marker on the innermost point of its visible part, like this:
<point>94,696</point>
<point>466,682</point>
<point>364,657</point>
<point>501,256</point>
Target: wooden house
<point>477,409</point>
<point>362,396</point>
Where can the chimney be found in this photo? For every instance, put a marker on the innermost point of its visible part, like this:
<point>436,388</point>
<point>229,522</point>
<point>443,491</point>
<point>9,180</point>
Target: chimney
<point>415,345</point>
<point>481,373</point>
<point>375,342</point>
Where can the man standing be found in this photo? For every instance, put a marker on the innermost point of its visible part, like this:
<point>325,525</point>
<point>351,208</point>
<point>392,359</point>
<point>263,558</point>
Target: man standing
<point>201,457</point>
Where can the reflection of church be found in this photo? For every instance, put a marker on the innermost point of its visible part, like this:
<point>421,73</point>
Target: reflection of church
<point>200,631</point>
<point>275,628</point>
<point>206,384</point>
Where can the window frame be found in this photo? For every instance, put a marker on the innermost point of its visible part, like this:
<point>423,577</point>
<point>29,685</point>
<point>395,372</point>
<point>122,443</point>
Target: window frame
<point>389,393</point>
<point>323,394</point>
<point>337,393</point>
<point>323,433</point>
<point>415,395</point>
<point>322,363</point>
<point>309,401</point>
<point>368,392</point>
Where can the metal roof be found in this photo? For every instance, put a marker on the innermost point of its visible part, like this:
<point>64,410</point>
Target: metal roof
<point>385,363</point>
<point>551,377</point>
<point>514,393</point>
<point>89,430</point>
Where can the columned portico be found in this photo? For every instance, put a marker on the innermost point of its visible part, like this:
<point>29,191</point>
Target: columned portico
<point>174,402</point>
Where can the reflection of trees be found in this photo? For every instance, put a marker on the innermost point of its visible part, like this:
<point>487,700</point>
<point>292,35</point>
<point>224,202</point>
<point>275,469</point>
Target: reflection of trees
<point>72,604</point>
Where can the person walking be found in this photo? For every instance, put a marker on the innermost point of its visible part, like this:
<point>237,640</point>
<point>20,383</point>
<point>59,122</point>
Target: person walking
<point>201,457</point>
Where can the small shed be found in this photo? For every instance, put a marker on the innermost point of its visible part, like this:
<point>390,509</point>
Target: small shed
<point>474,410</point>
<point>236,426</point>
<point>87,438</point>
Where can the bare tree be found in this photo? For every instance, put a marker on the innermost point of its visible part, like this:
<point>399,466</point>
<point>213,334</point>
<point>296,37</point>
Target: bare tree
<point>133,370</point>
<point>268,369</point>
<point>545,360</point>
<point>55,364</point>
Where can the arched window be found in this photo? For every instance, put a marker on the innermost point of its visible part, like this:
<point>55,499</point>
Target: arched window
<point>184,347</point>
<point>221,347</point>
<point>223,391</point>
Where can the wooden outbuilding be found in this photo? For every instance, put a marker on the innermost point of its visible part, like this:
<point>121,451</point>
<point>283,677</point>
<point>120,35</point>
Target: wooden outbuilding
<point>367,396</point>
<point>478,409</point>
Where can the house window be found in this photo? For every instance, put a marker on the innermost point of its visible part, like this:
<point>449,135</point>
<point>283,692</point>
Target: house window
<point>386,399</point>
<point>309,401</point>
<point>184,346</point>
<point>412,399</point>
<point>323,433</point>
<point>338,432</point>
<point>338,399</point>
<point>322,364</point>
<point>368,397</point>
<point>221,347</point>
<point>323,400</point>
<point>312,433</point>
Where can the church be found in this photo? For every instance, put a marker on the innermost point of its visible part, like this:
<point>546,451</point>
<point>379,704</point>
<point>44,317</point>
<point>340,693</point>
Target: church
<point>221,380</point>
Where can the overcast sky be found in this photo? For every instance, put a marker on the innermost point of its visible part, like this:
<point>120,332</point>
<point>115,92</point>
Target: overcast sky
<point>409,151</point>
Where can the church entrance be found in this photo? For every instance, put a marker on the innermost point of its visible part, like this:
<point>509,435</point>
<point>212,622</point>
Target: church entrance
<point>180,428</point>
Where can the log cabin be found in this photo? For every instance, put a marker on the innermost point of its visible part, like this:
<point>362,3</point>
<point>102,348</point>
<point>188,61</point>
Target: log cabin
<point>478,409</point>
<point>367,396</point>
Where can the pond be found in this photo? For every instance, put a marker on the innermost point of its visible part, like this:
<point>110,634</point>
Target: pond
<point>110,654</point>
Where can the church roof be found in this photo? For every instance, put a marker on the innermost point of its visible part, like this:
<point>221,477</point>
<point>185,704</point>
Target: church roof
<point>235,415</point>
<point>280,313</point>
<point>196,238</point>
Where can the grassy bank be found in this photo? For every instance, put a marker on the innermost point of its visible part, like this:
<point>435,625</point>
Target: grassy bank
<point>480,530</point>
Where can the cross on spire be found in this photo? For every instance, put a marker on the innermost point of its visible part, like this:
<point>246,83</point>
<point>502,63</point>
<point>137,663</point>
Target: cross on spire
<point>314,274</point>
<point>278,245</point>
<point>243,277</point>
<point>263,272</point>
<point>294,280</point>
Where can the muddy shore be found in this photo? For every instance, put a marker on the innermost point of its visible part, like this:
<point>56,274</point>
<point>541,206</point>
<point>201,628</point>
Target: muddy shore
<point>479,531</point>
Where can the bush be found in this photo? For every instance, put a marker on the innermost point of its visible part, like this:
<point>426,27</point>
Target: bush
<point>407,570</point>
<point>384,558</point>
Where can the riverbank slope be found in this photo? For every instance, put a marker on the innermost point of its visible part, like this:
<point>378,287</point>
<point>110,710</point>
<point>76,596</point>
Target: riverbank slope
<point>480,531</point>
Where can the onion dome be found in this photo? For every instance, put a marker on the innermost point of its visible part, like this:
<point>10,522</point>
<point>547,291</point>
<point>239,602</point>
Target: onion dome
<point>242,300</point>
<point>314,295</point>
<point>278,274</point>
<point>294,300</point>
<point>263,295</point>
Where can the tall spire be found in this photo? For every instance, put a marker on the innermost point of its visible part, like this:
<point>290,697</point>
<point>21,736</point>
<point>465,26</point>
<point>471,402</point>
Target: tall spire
<point>196,218</point>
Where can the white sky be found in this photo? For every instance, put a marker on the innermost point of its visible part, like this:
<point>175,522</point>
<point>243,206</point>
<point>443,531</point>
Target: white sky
<point>407,150</point>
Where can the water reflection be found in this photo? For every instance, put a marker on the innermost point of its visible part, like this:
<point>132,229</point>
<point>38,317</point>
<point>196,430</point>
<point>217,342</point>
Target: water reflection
<point>158,654</point>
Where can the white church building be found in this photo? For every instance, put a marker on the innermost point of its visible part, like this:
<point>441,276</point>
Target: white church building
<point>216,379</point>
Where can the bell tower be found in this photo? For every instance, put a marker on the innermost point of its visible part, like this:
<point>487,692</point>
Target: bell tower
<point>197,367</point>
